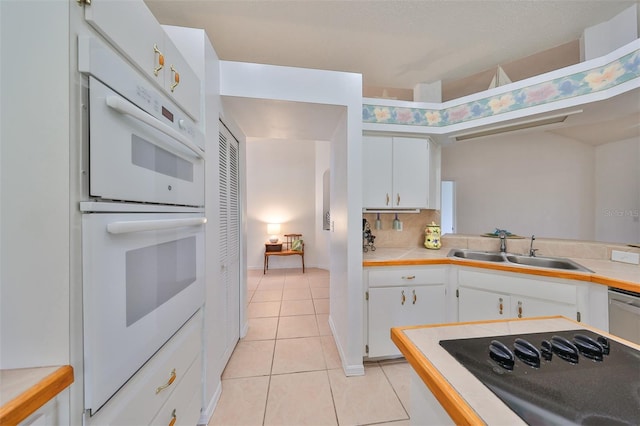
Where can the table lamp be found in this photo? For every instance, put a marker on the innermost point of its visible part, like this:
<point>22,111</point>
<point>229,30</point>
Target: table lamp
<point>273,229</point>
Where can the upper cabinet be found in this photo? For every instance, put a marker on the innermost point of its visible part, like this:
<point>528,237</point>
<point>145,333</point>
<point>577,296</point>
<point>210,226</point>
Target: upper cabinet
<point>136,33</point>
<point>396,173</point>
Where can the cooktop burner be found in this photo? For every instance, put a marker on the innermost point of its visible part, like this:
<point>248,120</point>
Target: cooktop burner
<point>562,377</point>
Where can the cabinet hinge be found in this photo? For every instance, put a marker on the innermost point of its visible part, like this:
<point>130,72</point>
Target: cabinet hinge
<point>366,348</point>
<point>578,317</point>
<point>457,293</point>
<point>366,295</point>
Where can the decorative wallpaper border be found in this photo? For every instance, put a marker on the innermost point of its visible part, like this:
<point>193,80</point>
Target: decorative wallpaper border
<point>581,83</point>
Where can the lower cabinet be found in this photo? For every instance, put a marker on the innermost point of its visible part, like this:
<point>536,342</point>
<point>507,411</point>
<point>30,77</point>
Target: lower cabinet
<point>476,305</point>
<point>488,296</point>
<point>164,389</point>
<point>54,412</point>
<point>399,297</point>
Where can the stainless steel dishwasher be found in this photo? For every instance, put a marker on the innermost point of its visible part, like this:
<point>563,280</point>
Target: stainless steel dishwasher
<point>624,314</point>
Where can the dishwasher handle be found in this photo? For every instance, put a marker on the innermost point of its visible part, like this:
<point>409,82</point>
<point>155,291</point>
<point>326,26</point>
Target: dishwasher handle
<point>628,306</point>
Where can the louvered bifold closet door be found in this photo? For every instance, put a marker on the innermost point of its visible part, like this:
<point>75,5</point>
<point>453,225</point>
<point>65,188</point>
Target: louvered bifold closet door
<point>230,232</point>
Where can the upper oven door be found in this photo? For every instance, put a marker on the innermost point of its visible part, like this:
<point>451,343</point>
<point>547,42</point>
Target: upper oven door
<point>134,156</point>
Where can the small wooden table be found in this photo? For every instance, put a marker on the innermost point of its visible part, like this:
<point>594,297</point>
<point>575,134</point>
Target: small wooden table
<point>282,249</point>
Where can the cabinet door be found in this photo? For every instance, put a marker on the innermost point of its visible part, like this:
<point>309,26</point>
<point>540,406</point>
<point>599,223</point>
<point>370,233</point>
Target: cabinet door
<point>477,305</point>
<point>377,175</point>
<point>181,81</point>
<point>410,173</point>
<point>527,307</point>
<point>130,27</point>
<point>425,304</point>
<point>386,309</point>
<point>400,306</point>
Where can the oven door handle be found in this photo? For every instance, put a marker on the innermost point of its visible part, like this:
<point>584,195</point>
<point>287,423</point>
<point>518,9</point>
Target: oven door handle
<point>127,227</point>
<point>124,107</point>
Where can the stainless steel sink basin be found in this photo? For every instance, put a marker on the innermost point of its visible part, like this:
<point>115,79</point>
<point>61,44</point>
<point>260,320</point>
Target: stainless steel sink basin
<point>547,262</point>
<point>517,259</point>
<point>486,256</point>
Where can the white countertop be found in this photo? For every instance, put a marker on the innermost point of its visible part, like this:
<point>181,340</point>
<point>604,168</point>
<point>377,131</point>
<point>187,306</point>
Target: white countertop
<point>488,406</point>
<point>604,270</point>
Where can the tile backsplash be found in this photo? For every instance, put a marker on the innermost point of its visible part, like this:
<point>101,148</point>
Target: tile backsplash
<point>412,234</point>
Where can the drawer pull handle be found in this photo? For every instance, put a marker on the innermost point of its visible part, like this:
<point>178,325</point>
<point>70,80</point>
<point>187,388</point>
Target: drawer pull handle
<point>403,298</point>
<point>157,51</point>
<point>409,277</point>
<point>174,417</point>
<point>166,385</point>
<point>519,309</point>
<point>414,297</point>
<point>398,203</point>
<point>175,76</point>
<point>500,306</point>
<point>387,199</point>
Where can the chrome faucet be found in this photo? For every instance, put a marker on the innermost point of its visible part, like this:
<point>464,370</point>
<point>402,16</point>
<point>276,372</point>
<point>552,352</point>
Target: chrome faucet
<point>503,242</point>
<point>532,251</point>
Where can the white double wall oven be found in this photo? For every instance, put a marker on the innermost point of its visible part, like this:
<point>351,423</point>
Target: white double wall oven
<point>142,224</point>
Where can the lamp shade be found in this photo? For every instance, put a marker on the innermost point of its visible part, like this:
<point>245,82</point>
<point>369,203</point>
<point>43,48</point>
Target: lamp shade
<point>273,228</point>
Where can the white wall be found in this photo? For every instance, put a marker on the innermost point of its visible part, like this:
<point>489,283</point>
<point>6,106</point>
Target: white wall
<point>618,192</point>
<point>527,182</point>
<point>607,36</point>
<point>35,232</point>
<point>281,188</point>
<point>331,88</point>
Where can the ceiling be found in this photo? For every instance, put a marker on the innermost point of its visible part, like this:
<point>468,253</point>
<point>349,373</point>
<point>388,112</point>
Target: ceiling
<point>396,44</point>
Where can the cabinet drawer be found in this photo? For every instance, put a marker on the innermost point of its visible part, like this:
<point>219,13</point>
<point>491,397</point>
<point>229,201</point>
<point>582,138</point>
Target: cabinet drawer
<point>397,276</point>
<point>179,404</point>
<point>144,394</point>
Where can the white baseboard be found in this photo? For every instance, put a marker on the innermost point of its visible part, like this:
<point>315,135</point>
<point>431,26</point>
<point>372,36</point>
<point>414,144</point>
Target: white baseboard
<point>349,370</point>
<point>206,414</point>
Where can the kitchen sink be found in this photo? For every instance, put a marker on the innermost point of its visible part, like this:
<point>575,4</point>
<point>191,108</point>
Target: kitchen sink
<point>517,259</point>
<point>547,262</point>
<point>486,256</point>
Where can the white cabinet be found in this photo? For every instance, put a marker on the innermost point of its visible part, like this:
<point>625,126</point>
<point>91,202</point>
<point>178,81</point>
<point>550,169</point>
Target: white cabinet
<point>480,305</point>
<point>487,296</point>
<point>164,388</point>
<point>396,173</point>
<point>475,305</point>
<point>134,31</point>
<point>401,296</point>
<point>54,412</point>
<point>180,81</point>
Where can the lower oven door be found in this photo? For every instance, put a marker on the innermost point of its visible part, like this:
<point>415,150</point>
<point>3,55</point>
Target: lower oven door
<point>143,278</point>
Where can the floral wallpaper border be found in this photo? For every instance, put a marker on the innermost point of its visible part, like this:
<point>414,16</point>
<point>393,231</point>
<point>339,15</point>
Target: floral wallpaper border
<point>582,83</point>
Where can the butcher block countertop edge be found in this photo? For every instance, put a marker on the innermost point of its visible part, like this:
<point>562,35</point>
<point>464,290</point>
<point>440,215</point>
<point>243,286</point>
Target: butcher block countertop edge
<point>23,391</point>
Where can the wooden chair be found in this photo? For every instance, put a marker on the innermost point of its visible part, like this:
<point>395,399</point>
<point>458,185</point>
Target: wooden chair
<point>288,248</point>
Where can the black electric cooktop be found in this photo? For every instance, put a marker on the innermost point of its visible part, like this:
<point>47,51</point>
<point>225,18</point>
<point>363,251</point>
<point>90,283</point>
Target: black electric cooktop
<point>562,377</point>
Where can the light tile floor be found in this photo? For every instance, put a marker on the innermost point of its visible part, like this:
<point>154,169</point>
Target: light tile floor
<point>286,370</point>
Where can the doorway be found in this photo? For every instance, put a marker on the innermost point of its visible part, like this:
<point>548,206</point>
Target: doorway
<point>448,207</point>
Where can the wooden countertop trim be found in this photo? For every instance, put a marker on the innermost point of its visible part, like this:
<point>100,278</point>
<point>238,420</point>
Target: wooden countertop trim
<point>21,407</point>
<point>611,282</point>
<point>457,408</point>
<point>401,262</point>
<point>578,276</point>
